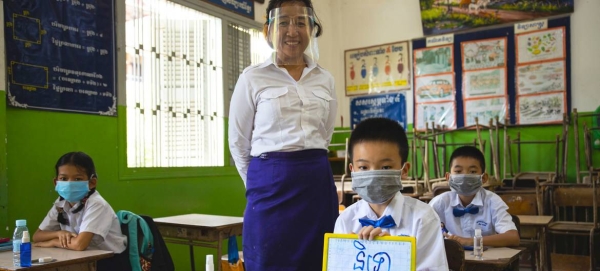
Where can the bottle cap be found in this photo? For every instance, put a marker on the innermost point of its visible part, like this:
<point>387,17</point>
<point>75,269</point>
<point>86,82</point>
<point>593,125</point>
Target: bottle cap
<point>209,259</point>
<point>21,222</point>
<point>477,231</point>
<point>25,238</point>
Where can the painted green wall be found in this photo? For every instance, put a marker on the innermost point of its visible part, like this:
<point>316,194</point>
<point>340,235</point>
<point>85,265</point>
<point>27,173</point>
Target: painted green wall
<point>36,139</point>
<point>3,167</point>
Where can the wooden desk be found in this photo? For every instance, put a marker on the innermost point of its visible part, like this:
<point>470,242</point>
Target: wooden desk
<point>538,223</point>
<point>65,259</point>
<point>199,230</point>
<point>495,258</point>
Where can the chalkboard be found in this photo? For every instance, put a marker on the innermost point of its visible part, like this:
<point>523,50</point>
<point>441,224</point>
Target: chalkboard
<point>60,55</point>
<point>343,252</point>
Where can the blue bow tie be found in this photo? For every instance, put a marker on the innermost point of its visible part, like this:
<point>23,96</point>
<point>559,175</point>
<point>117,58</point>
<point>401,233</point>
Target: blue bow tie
<point>384,222</point>
<point>458,212</point>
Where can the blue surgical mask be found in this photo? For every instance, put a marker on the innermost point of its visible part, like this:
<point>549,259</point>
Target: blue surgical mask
<point>465,184</point>
<point>377,186</point>
<point>72,191</point>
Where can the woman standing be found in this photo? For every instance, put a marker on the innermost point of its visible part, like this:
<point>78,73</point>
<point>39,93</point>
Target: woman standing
<point>280,125</point>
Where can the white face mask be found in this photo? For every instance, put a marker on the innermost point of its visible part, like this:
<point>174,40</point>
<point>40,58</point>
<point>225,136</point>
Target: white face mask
<point>465,184</point>
<point>377,186</point>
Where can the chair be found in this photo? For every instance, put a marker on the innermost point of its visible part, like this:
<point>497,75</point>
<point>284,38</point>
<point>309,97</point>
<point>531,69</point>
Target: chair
<point>532,246</point>
<point>455,254</point>
<point>575,210</point>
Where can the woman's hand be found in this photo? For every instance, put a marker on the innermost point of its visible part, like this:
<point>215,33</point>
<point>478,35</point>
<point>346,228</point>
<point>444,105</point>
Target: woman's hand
<point>369,233</point>
<point>64,238</point>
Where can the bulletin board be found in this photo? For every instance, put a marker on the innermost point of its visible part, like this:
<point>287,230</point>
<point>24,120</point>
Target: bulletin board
<point>498,72</point>
<point>343,252</point>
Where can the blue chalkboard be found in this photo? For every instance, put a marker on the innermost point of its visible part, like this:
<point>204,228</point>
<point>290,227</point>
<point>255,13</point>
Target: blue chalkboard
<point>60,55</point>
<point>391,106</point>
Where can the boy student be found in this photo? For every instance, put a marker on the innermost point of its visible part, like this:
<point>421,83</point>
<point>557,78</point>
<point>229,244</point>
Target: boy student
<point>468,206</point>
<point>378,149</point>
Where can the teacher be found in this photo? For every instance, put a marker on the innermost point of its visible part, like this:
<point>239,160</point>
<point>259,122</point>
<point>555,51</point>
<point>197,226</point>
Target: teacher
<point>280,125</point>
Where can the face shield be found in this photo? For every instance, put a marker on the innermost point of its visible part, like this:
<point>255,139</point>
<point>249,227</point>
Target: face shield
<point>292,35</point>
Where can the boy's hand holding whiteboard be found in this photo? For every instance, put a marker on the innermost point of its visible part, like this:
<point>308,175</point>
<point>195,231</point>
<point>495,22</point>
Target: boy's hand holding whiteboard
<point>343,252</point>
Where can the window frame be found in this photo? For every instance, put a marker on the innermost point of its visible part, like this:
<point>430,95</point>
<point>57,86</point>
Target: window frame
<point>142,173</point>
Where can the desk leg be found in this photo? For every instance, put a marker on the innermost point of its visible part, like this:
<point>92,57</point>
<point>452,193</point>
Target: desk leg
<point>192,258</point>
<point>219,252</point>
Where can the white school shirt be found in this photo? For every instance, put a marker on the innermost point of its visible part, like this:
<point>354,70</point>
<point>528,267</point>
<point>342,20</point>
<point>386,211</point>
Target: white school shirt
<point>96,217</point>
<point>492,218</point>
<point>270,111</point>
<point>413,218</point>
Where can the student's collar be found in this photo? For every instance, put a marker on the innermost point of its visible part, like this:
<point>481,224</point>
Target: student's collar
<point>310,63</point>
<point>365,210</point>
<point>477,200</point>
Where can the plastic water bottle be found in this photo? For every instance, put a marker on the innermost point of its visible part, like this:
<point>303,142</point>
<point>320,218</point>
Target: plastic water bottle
<point>17,236</point>
<point>25,250</point>
<point>210,266</point>
<point>478,245</point>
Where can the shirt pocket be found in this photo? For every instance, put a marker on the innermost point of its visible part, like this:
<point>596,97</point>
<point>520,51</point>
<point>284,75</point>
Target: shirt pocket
<point>320,102</point>
<point>487,228</point>
<point>271,103</point>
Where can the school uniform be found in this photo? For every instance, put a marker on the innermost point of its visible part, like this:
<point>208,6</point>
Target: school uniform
<point>412,218</point>
<point>96,217</point>
<point>489,212</point>
<point>279,131</point>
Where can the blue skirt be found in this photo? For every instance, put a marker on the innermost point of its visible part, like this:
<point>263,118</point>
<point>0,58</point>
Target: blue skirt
<point>291,203</point>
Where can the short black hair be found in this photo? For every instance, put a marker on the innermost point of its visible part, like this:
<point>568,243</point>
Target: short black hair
<point>469,152</point>
<point>382,130</point>
<point>273,4</point>
<point>77,159</point>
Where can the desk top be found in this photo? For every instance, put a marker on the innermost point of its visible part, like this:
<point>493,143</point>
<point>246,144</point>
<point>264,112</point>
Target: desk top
<point>201,221</point>
<point>63,257</point>
<point>493,253</point>
<point>535,220</point>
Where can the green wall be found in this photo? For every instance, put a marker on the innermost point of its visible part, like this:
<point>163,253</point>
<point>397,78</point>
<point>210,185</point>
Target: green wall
<point>36,139</point>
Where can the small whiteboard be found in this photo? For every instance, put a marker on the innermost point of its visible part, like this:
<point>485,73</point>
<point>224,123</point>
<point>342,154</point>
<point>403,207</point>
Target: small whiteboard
<point>343,252</point>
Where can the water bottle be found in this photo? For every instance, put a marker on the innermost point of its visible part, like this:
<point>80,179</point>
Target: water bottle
<point>17,236</point>
<point>25,250</point>
<point>210,266</point>
<point>478,245</point>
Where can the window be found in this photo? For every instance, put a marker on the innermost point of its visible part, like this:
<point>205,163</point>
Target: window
<point>175,91</point>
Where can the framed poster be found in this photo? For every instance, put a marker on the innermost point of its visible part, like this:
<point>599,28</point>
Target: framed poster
<point>434,88</point>
<point>434,60</point>
<point>541,77</point>
<point>481,83</point>
<point>541,45</point>
<point>483,54</point>
<point>377,69</point>
<point>541,108</point>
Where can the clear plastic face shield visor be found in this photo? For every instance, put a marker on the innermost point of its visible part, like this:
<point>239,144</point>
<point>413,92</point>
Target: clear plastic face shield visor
<point>292,33</point>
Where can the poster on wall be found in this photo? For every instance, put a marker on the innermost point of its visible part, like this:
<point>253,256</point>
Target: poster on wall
<point>445,16</point>
<point>541,45</point>
<point>434,60</point>
<point>434,88</point>
<point>541,77</point>
<point>541,108</point>
<point>483,83</point>
<point>435,114</point>
<point>485,109</point>
<point>59,62</point>
<point>377,69</point>
<point>391,106</point>
<point>483,54</point>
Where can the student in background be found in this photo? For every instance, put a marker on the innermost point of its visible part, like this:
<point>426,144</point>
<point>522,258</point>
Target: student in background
<point>80,218</point>
<point>468,206</point>
<point>378,149</point>
<point>281,121</point>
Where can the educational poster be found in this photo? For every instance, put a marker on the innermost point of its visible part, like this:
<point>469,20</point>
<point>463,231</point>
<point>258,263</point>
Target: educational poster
<point>60,55</point>
<point>446,16</point>
<point>483,54</point>
<point>434,88</point>
<point>437,114</point>
<point>541,77</point>
<point>376,69</point>
<point>482,83</point>
<point>434,60</point>
<point>485,109</point>
<point>547,44</point>
<point>541,108</point>
<point>391,106</point>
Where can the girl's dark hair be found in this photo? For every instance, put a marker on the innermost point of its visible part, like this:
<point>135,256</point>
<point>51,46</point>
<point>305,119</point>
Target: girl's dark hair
<point>78,159</point>
<point>82,161</point>
<point>273,4</point>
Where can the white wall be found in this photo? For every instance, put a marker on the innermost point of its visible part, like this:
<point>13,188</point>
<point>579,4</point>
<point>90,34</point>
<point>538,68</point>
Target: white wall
<point>351,24</point>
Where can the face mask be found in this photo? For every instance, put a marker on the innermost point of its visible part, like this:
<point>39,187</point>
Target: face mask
<point>377,186</point>
<point>72,191</point>
<point>465,184</point>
